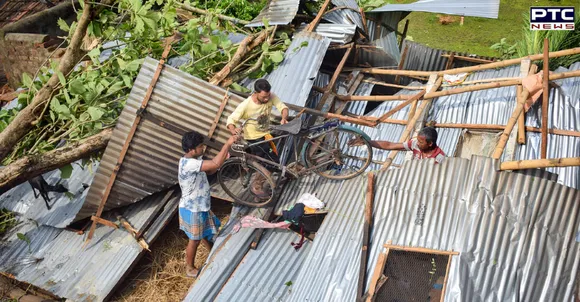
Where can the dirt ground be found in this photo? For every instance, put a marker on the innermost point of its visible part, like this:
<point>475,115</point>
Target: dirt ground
<point>160,275</point>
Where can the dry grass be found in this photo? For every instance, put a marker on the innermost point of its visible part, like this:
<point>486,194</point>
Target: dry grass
<point>160,275</point>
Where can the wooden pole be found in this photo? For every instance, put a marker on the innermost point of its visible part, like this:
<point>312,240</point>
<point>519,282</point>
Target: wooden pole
<point>366,231</point>
<point>450,61</point>
<point>314,22</point>
<point>130,135</point>
<point>404,36</point>
<point>413,100</point>
<point>402,62</point>
<point>327,115</point>
<point>364,19</point>
<point>493,65</point>
<point>447,273</point>
<point>419,250</point>
<point>524,71</point>
<point>472,88</point>
<point>510,125</point>
<point>379,267</point>
<point>395,85</point>
<point>540,163</point>
<point>468,59</point>
<point>545,101</point>
<point>502,127</point>
<point>375,98</point>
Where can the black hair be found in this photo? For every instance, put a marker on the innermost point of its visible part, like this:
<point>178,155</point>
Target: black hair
<point>191,140</point>
<point>430,135</point>
<point>262,85</point>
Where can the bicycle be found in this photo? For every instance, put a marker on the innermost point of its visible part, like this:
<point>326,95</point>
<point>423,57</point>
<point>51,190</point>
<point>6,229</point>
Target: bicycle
<point>322,153</point>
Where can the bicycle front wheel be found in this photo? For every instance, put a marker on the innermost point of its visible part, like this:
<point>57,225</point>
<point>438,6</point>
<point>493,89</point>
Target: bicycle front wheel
<point>249,184</point>
<point>331,158</point>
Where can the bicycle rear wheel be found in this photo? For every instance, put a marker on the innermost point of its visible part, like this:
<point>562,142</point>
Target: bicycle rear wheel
<point>335,159</point>
<point>236,179</point>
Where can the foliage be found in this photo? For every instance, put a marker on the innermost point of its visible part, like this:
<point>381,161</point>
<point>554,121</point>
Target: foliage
<point>7,220</point>
<point>505,50</point>
<point>25,239</point>
<point>94,94</point>
<point>532,43</point>
<point>241,9</point>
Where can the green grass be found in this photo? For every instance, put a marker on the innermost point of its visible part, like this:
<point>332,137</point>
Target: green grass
<point>477,34</point>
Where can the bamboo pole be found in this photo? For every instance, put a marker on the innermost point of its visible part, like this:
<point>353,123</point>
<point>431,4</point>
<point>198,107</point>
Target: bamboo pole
<point>447,273</point>
<point>468,59</point>
<point>404,35</point>
<point>524,72</point>
<point>395,85</point>
<point>510,125</point>
<point>472,88</point>
<point>493,65</point>
<point>450,59</point>
<point>413,100</point>
<point>480,81</point>
<point>366,231</point>
<point>314,22</point>
<point>502,127</point>
<point>545,101</point>
<point>344,118</point>
<point>419,250</point>
<point>380,266</point>
<point>375,98</point>
<point>540,163</point>
<point>402,62</point>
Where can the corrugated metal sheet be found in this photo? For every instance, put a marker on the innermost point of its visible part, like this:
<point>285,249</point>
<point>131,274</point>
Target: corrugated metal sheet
<point>358,108</point>
<point>485,9</point>
<point>514,232</point>
<point>385,55</point>
<point>337,33</point>
<point>58,261</point>
<point>508,250</point>
<point>64,209</point>
<point>279,265</point>
<point>344,16</point>
<point>390,45</point>
<point>293,79</point>
<point>376,23</point>
<point>150,164</point>
<point>278,12</point>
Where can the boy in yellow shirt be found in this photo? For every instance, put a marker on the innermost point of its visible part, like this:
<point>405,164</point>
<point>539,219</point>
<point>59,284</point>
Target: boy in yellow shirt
<point>258,105</point>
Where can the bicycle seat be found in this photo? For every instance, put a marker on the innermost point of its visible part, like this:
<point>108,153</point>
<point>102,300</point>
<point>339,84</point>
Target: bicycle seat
<point>292,127</point>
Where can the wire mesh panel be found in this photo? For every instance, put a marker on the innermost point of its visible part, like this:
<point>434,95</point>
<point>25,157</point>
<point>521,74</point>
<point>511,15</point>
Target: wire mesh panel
<point>411,276</point>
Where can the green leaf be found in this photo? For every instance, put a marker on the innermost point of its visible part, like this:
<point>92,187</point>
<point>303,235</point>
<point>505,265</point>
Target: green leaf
<point>150,23</point>
<point>61,78</point>
<point>265,47</point>
<point>134,65</point>
<point>277,56</point>
<point>26,80</point>
<point>122,63</point>
<point>266,22</point>
<point>208,47</point>
<point>115,87</point>
<point>139,25</point>
<point>52,116</point>
<point>289,283</point>
<point>82,4</point>
<point>70,195</point>
<point>76,87</point>
<point>66,171</point>
<point>23,237</point>
<point>94,54</point>
<point>96,113</point>
<point>283,36</point>
<point>127,80</point>
<point>62,25</point>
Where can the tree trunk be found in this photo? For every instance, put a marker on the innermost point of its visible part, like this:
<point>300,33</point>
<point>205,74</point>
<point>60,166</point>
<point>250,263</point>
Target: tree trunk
<point>31,166</point>
<point>26,118</point>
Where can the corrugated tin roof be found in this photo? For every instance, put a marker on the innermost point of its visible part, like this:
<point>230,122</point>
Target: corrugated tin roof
<point>273,278</point>
<point>57,260</point>
<point>293,79</point>
<point>150,164</point>
<point>21,199</point>
<point>278,12</point>
<point>485,8</point>
<point>337,33</point>
<point>344,16</point>
<point>490,217</point>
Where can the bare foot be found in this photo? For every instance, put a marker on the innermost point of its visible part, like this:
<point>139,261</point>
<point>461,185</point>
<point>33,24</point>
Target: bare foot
<point>191,272</point>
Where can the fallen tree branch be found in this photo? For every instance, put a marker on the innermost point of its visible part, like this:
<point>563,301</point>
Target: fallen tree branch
<point>31,166</point>
<point>221,17</point>
<point>26,118</point>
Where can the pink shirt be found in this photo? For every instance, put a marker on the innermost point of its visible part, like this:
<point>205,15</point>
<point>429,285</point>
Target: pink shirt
<point>412,145</point>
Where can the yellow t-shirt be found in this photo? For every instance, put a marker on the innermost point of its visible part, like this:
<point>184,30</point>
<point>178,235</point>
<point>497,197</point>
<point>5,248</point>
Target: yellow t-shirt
<point>249,109</point>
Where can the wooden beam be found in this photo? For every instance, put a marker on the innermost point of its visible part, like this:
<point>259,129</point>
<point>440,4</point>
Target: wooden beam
<point>375,98</point>
<point>413,100</point>
<point>338,70</point>
<point>493,65</point>
<point>447,273</point>
<point>502,127</point>
<point>472,88</point>
<point>314,22</point>
<point>524,72</point>
<point>394,85</point>
<point>480,81</point>
<point>468,59</point>
<point>381,261</point>
<point>131,133</point>
<point>370,195</point>
<point>327,115</point>
<point>102,221</point>
<point>364,20</point>
<point>510,125</point>
<point>450,61</point>
<point>404,34</point>
<point>545,101</point>
<point>419,250</point>
<point>402,62</point>
<point>219,114</point>
<point>540,163</point>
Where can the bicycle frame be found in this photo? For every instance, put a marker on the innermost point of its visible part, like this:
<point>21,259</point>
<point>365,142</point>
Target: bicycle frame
<point>312,133</point>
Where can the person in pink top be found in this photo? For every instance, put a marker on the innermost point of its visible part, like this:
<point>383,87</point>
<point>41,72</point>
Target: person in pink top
<point>424,146</point>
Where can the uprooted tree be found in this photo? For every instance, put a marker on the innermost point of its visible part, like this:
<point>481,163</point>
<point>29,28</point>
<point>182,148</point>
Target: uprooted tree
<point>69,108</point>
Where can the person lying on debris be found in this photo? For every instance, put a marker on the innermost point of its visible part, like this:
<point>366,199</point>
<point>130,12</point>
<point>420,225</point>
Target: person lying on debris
<point>195,217</point>
<point>424,146</point>
<point>259,106</point>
